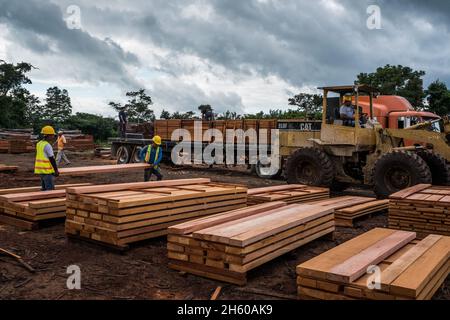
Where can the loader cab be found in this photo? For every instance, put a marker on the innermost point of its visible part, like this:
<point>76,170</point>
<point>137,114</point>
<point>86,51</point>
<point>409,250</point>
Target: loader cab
<point>337,131</point>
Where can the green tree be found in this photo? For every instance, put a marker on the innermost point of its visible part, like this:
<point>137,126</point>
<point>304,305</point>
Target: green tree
<point>438,98</point>
<point>100,127</point>
<point>204,109</point>
<point>165,115</point>
<point>57,107</point>
<point>13,97</point>
<point>137,107</point>
<point>397,80</point>
<point>307,103</point>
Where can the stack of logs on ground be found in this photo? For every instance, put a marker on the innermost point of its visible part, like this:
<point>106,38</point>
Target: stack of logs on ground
<point>25,208</point>
<point>118,215</point>
<point>348,209</point>
<point>400,268</point>
<point>226,246</point>
<point>424,209</point>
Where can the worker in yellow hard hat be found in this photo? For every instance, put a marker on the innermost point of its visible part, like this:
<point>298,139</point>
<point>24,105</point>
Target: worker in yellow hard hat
<point>45,165</point>
<point>152,154</point>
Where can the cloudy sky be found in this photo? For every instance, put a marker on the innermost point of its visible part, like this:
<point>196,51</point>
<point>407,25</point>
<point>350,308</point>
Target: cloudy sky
<point>244,56</point>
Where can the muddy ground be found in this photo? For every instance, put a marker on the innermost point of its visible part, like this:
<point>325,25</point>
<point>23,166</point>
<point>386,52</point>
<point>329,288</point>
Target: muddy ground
<point>141,272</point>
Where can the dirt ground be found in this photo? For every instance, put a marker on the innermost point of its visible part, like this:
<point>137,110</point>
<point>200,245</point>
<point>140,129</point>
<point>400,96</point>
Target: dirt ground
<point>141,272</point>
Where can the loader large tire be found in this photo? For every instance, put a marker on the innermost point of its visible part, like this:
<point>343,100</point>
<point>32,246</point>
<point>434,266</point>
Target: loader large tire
<point>440,170</point>
<point>399,170</point>
<point>310,166</point>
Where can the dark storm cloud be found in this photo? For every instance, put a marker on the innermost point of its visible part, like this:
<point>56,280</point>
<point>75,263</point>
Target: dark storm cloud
<point>303,42</point>
<point>39,26</point>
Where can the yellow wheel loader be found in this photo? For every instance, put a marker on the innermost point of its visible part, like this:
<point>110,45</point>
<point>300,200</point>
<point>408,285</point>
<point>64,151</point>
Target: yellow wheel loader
<point>356,149</point>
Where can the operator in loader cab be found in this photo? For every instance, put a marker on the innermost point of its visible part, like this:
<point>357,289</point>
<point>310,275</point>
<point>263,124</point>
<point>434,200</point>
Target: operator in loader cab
<point>347,112</point>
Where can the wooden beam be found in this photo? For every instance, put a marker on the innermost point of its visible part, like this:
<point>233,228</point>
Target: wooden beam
<point>356,266</point>
<point>138,185</point>
<point>276,188</point>
<point>196,225</point>
<point>102,169</point>
<point>33,195</point>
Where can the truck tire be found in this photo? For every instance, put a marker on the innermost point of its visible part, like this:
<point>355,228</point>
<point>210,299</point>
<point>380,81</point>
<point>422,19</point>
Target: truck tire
<point>310,166</point>
<point>123,155</point>
<point>261,172</point>
<point>440,170</point>
<point>135,158</point>
<point>399,170</point>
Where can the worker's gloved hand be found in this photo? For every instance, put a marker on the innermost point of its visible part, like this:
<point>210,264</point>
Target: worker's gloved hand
<point>56,174</point>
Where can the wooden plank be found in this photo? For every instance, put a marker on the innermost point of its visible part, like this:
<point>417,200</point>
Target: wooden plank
<point>407,192</point>
<point>357,265</point>
<point>248,232</point>
<point>37,189</point>
<point>33,195</point>
<point>401,264</point>
<point>196,225</point>
<point>257,191</point>
<point>319,266</point>
<point>412,281</point>
<point>102,169</point>
<point>139,185</point>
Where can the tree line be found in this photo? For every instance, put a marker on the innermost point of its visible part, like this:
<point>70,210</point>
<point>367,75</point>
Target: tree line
<point>21,109</point>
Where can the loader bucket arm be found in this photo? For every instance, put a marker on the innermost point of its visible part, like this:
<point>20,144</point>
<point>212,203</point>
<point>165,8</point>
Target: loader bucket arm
<point>437,140</point>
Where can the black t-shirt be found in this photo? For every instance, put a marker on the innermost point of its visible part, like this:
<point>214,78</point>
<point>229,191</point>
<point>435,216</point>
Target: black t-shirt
<point>122,116</point>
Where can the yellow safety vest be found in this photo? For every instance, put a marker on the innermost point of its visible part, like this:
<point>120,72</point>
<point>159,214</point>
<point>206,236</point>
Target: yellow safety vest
<point>147,156</point>
<point>42,164</point>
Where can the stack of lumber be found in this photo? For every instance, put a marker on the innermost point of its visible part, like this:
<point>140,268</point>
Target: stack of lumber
<point>17,141</point>
<point>146,129</point>
<point>423,208</point>
<point>294,193</point>
<point>79,171</point>
<point>104,153</point>
<point>8,169</point>
<point>26,207</point>
<point>118,215</point>
<point>189,125</point>
<point>79,142</point>
<point>228,245</point>
<point>4,146</point>
<point>410,269</point>
<point>349,208</point>
<point>165,128</point>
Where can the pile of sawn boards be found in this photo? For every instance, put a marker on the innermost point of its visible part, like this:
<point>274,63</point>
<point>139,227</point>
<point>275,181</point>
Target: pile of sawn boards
<point>423,208</point>
<point>118,215</point>
<point>349,208</point>
<point>228,245</point>
<point>410,269</point>
<point>26,207</point>
<point>294,193</point>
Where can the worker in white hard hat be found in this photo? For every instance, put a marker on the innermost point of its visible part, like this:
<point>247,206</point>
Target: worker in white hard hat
<point>347,111</point>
